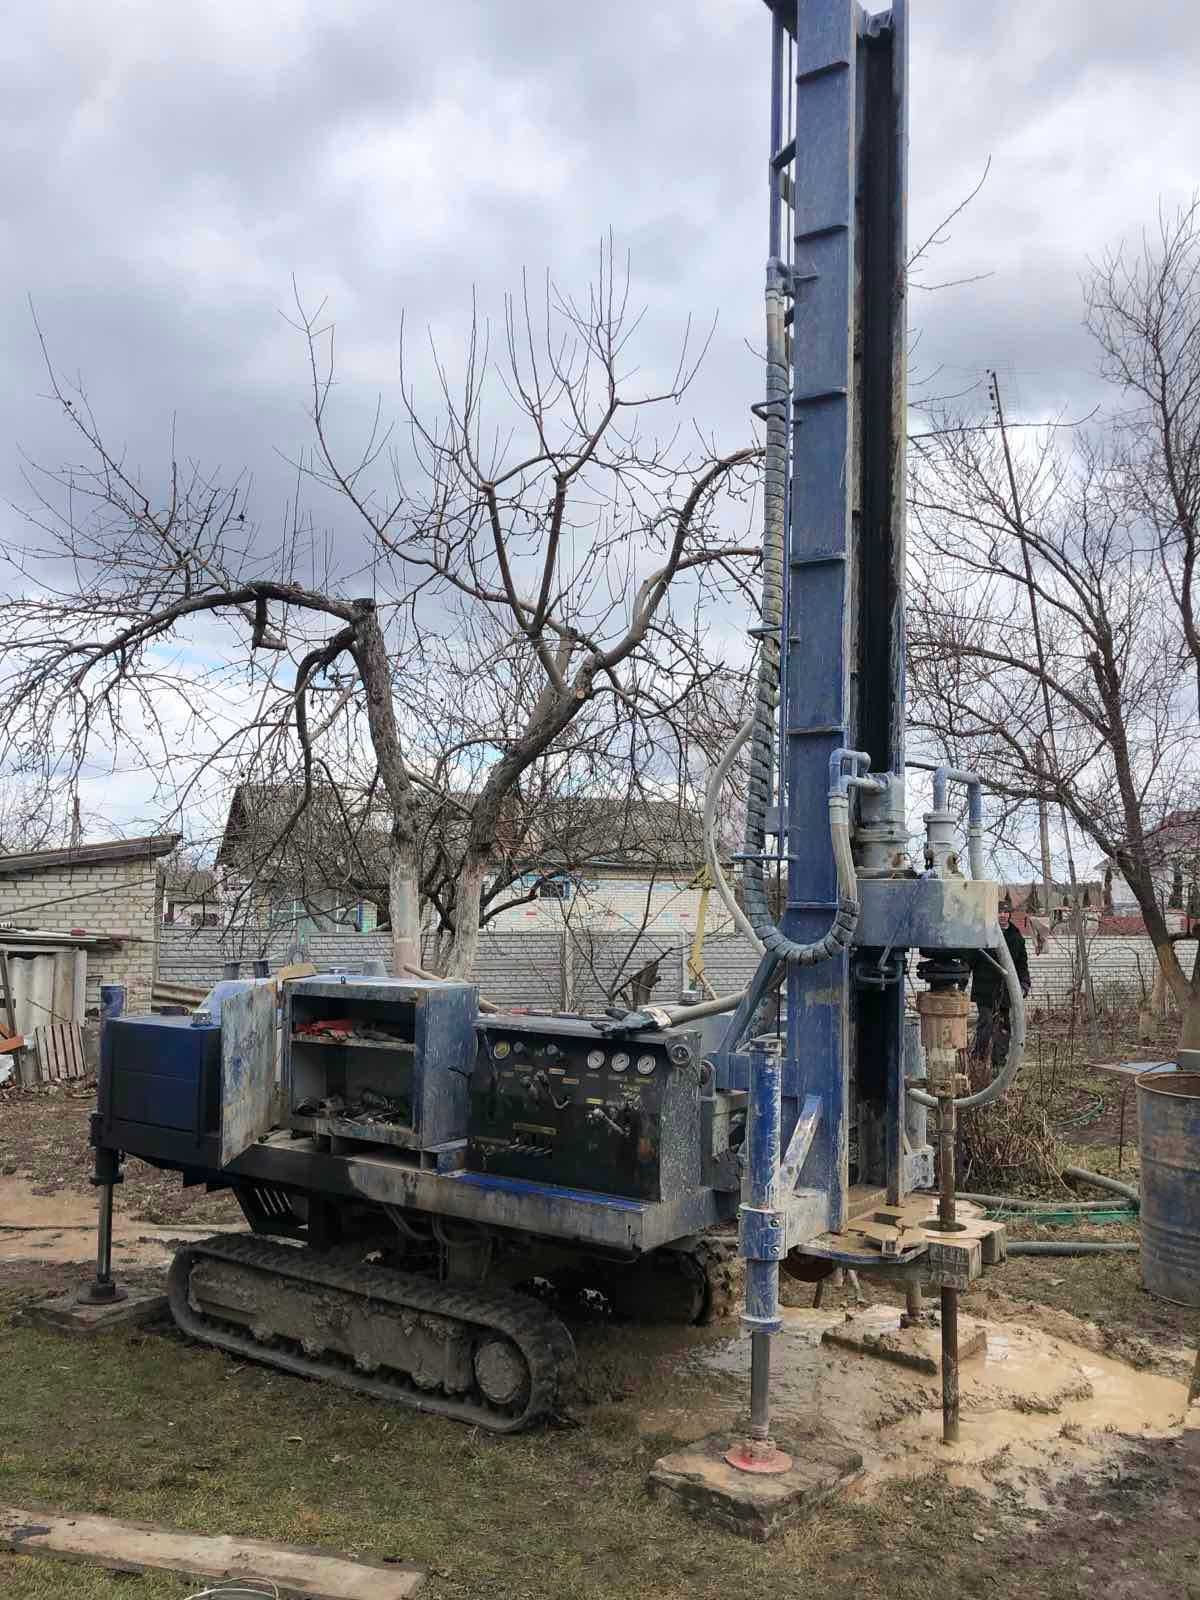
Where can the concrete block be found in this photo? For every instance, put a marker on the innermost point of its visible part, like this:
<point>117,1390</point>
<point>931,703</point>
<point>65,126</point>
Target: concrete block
<point>65,1313</point>
<point>756,1505</point>
<point>877,1332</point>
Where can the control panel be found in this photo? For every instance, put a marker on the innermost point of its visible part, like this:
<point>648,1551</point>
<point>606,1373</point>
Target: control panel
<point>555,1100</point>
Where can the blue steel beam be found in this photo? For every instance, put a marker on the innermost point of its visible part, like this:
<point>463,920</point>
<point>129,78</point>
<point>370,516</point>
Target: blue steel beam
<point>817,638</point>
<point>837,223</point>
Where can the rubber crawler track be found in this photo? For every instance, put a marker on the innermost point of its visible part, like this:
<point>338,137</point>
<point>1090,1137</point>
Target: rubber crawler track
<point>539,1335</point>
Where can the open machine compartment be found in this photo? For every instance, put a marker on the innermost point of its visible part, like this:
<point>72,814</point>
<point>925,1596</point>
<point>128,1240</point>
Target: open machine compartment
<point>378,1060</point>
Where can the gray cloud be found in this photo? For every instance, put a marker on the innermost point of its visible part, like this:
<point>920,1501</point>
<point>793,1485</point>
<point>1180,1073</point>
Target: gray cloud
<point>169,169</point>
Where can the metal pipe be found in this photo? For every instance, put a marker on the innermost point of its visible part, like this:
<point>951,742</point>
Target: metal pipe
<point>761,1241</point>
<point>102,1290</point>
<point>775,203</point>
<point>943,776</point>
<point>760,1386</point>
<point>104,1277</point>
<point>950,1389</point>
<point>948,1222</point>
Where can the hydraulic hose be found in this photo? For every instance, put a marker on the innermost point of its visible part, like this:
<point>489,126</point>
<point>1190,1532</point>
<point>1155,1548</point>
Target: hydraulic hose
<point>762,746</point>
<point>1098,1180</point>
<point>1070,1247</point>
<point>712,793</point>
<point>1012,1202</point>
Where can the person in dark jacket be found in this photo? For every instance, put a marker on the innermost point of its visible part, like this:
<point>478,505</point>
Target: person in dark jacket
<point>990,992</point>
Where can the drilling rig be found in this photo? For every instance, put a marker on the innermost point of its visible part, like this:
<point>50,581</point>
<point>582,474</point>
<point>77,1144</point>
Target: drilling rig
<point>412,1169</point>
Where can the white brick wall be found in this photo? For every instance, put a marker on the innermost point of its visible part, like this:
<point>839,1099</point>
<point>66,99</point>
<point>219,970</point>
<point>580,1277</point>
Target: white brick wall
<point>110,898</point>
<point>612,903</point>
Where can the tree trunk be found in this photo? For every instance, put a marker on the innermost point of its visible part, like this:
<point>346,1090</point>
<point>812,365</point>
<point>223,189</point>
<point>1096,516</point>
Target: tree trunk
<point>1189,1024</point>
<point>404,906</point>
<point>467,898</point>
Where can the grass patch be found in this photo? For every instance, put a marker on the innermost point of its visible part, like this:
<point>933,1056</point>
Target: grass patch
<point>155,1429</point>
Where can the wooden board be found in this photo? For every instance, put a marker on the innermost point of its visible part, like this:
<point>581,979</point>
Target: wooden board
<point>59,1047</point>
<point>296,1571</point>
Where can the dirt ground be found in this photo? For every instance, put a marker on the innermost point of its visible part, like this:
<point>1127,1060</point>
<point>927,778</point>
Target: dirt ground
<point>1077,1476</point>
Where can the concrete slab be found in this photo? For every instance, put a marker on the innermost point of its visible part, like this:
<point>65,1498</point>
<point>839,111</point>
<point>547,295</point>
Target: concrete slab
<point>876,1331</point>
<point>66,1314</point>
<point>296,1571</point>
<point>701,1482</point>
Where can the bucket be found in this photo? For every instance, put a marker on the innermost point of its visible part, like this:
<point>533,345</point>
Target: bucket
<point>112,1000</point>
<point>1169,1146</point>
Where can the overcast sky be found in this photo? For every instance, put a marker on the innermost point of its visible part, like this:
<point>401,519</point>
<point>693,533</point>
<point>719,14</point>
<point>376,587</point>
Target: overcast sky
<point>168,170</point>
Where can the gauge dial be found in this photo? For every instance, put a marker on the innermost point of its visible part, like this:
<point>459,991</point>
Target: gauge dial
<point>595,1059</point>
<point>645,1065</point>
<point>501,1048</point>
<point>620,1062</point>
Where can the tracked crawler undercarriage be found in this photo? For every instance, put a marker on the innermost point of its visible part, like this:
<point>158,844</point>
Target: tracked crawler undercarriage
<point>495,1359</point>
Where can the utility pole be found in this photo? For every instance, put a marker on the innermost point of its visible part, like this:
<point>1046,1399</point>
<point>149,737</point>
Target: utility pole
<point>1076,909</point>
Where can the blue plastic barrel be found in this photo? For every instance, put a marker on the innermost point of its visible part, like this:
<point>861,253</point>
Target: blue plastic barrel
<point>1169,1146</point>
<point>112,1000</point>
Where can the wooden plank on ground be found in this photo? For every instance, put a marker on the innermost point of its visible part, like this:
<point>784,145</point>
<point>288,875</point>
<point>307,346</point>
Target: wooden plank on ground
<point>59,1047</point>
<point>295,1570</point>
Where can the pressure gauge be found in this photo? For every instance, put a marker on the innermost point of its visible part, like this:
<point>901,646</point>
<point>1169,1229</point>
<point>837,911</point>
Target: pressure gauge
<point>501,1048</point>
<point>620,1062</point>
<point>595,1059</point>
<point>645,1065</point>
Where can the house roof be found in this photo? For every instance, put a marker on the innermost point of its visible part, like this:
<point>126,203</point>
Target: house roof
<point>88,855</point>
<point>13,937</point>
<point>614,830</point>
<point>343,841</point>
<point>1019,894</point>
<point>200,883</point>
<point>338,840</point>
<point>1179,831</point>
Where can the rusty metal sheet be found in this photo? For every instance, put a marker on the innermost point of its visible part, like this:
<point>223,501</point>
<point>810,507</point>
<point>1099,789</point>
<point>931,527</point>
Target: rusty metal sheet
<point>247,1068</point>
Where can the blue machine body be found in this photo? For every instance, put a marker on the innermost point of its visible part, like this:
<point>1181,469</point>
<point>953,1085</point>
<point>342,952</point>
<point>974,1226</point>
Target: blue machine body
<point>160,1088</point>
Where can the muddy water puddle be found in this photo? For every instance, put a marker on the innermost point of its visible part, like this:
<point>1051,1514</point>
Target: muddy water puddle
<point>61,1228</point>
<point>1036,1409</point>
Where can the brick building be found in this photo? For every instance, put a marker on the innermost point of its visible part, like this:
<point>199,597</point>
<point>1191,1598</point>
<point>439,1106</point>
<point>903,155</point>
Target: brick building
<point>112,888</point>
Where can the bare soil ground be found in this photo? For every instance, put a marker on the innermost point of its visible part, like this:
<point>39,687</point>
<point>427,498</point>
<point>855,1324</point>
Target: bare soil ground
<point>149,1426</point>
<point>44,1140</point>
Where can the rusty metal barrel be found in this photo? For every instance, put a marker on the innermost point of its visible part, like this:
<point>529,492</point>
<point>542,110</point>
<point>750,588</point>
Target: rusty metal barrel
<point>1169,1145</point>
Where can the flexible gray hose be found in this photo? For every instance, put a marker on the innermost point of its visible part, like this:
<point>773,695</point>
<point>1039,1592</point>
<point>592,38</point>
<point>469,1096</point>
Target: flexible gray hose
<point>1016,1044</point>
<point>1098,1180</point>
<point>1069,1247</point>
<point>711,795</point>
<point>1010,1202</point>
<point>762,747</point>
<point>703,1008</point>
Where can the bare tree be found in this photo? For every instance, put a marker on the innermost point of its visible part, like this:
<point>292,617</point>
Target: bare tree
<point>538,561</point>
<point>1100,525</point>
